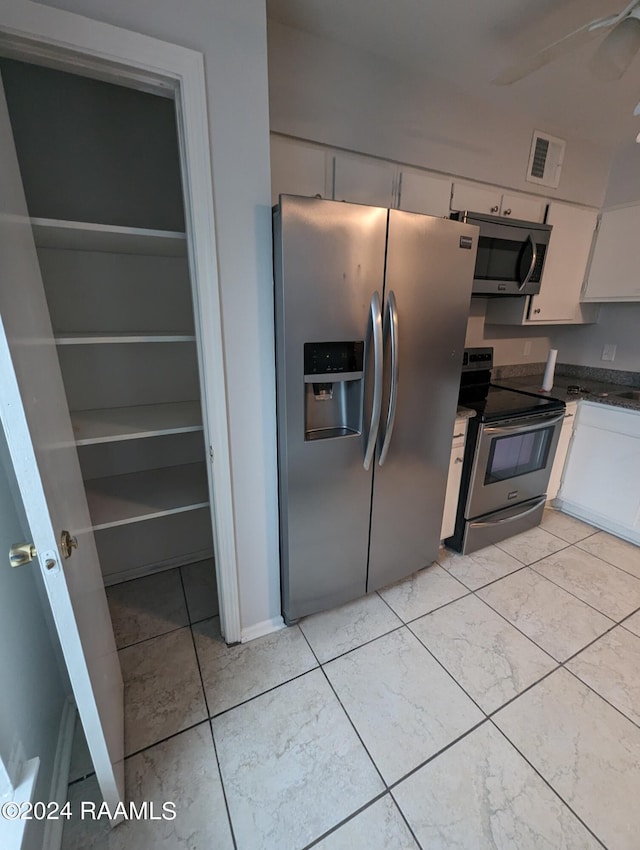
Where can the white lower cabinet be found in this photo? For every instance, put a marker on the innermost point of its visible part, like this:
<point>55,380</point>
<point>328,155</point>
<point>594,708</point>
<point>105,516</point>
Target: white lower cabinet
<point>562,449</point>
<point>602,472</point>
<point>453,479</point>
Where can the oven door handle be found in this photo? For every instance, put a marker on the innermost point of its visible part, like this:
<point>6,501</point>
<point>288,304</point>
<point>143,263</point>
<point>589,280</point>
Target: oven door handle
<point>519,426</point>
<point>508,519</point>
<point>534,257</point>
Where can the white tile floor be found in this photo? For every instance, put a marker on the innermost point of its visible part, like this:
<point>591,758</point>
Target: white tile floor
<point>489,701</point>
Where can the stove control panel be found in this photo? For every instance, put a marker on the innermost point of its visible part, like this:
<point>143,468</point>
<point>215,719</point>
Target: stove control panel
<point>477,358</point>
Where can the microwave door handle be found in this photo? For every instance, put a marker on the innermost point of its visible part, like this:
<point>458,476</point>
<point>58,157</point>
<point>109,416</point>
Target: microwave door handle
<point>534,257</point>
<point>378,364</point>
<point>392,326</point>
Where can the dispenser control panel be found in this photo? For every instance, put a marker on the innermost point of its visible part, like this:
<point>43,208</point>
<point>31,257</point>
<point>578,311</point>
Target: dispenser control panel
<point>326,358</point>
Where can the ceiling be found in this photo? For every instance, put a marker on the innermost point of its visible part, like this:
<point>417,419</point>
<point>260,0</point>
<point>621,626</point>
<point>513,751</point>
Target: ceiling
<point>468,42</point>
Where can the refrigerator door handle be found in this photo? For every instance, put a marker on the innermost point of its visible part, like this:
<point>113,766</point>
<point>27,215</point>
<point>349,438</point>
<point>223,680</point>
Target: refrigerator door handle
<point>391,328</point>
<point>376,406</point>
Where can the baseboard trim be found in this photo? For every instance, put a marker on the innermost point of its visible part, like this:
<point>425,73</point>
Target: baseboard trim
<point>266,627</point>
<point>602,523</point>
<point>52,839</point>
<point>149,569</point>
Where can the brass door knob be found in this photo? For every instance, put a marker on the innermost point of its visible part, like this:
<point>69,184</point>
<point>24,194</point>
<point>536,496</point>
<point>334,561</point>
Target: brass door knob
<point>21,554</point>
<point>67,544</point>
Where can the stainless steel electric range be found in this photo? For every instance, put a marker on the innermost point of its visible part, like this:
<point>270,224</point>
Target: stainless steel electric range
<point>509,452</point>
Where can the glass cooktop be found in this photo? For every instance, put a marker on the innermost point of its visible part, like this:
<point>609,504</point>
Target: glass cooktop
<point>506,404</point>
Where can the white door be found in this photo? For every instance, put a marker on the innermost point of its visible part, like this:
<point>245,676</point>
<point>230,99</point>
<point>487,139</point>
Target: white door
<point>36,421</point>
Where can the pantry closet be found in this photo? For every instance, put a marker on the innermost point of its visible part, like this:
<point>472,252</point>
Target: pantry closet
<point>101,171</point>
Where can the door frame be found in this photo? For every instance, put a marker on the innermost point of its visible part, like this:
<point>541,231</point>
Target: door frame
<point>47,36</point>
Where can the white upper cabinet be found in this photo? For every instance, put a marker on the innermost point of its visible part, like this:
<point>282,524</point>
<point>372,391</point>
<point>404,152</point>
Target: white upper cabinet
<point>615,267</point>
<point>422,192</point>
<point>491,201</point>
<point>558,301</point>
<point>565,265</point>
<point>297,168</point>
<point>364,180</point>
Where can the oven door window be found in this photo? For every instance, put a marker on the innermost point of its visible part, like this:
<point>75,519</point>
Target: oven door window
<point>518,454</point>
<point>503,259</point>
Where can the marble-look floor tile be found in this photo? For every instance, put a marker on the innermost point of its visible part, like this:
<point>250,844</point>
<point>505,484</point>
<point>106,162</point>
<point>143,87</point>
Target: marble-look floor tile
<point>200,589</point>
<point>532,545</point>
<point>565,527</point>
<point>585,749</point>
<point>554,619</point>
<point>182,770</point>
<point>606,588</point>
<point>292,766</point>
<point>81,764</point>
<point>611,666</point>
<point>335,632</point>
<point>233,674</point>
<point>482,795</point>
<point>478,568</point>
<point>146,607</point>
<point>162,689</point>
<point>379,827</point>
<point>486,655</point>
<point>632,623</point>
<point>422,592</point>
<point>403,704</point>
<point>614,551</point>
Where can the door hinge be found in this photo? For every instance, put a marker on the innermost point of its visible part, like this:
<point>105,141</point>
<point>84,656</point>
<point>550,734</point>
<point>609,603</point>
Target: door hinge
<point>211,453</point>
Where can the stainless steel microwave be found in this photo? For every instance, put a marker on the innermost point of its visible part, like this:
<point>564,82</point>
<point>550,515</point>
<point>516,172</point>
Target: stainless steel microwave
<point>511,254</point>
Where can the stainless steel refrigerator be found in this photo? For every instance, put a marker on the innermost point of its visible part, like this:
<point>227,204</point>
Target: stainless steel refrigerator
<point>371,312</point>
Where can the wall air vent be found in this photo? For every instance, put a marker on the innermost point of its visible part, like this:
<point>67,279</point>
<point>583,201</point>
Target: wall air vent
<point>545,159</point>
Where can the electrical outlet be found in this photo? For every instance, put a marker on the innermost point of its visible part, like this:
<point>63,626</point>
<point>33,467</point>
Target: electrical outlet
<point>609,352</point>
<point>527,348</point>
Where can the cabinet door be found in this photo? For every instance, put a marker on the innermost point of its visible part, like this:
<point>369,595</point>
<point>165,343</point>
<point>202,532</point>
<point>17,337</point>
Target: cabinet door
<point>566,263</point>
<point>561,451</point>
<point>297,169</point>
<point>363,180</point>
<point>616,257</point>
<point>453,480</point>
<point>523,207</point>
<point>482,199</point>
<point>423,193</point>
<point>603,469</point>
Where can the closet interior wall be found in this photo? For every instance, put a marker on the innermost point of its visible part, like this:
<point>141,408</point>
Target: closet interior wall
<point>101,172</point>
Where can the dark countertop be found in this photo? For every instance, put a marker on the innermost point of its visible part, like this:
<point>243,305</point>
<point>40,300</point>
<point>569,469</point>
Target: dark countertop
<point>464,413</point>
<point>597,391</point>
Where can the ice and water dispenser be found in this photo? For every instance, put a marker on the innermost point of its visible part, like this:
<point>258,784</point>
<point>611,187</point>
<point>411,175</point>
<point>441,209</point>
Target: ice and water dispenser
<point>333,389</point>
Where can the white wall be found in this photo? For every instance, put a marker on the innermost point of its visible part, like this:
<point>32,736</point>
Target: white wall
<point>326,92</point>
<point>618,324</point>
<point>34,687</point>
<point>508,342</point>
<point>624,177</point>
<point>232,36</point>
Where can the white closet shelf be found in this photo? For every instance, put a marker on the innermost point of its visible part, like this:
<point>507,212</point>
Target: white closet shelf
<point>112,424</point>
<point>86,236</point>
<point>139,496</point>
<point>118,339</point>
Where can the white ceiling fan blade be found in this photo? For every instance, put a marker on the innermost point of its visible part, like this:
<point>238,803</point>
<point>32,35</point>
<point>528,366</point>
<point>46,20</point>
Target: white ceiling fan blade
<point>543,57</point>
<point>636,111</point>
<point>617,51</point>
<point>614,19</point>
